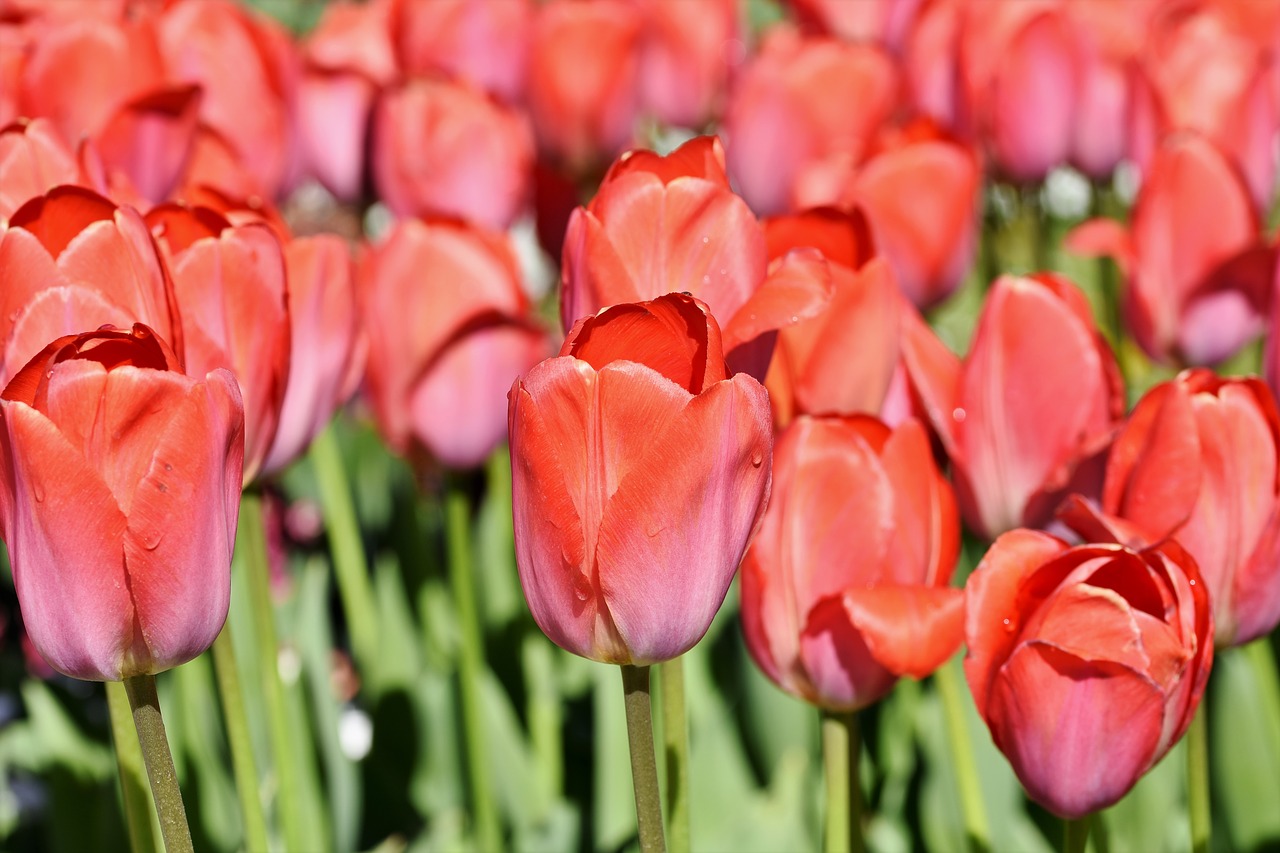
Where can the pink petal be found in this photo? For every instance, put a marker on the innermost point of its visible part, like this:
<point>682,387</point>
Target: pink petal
<point>840,667</point>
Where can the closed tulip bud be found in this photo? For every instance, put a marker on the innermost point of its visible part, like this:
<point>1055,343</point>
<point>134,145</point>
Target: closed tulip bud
<point>1087,663</point>
<point>121,487</point>
<point>640,471</point>
<point>846,587</point>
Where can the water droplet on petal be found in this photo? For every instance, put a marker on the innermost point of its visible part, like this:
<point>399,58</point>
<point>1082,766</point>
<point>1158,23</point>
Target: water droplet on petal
<point>757,459</point>
<point>706,279</point>
<point>706,239</point>
<point>1008,626</point>
<point>151,539</point>
<point>795,319</point>
<point>37,492</point>
<point>958,415</point>
<point>1192,581</point>
<point>168,467</point>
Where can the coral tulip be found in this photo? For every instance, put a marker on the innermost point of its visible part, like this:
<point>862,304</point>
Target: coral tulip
<point>1028,412</point>
<point>1087,663</point>
<point>1199,460</point>
<point>121,480</point>
<point>639,473</point>
<point>845,589</point>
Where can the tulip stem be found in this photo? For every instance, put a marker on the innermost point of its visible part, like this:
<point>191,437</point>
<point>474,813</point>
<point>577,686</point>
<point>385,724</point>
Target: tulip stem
<point>141,690</point>
<point>470,663</point>
<point>1075,834</point>
<point>644,767</point>
<point>350,563</point>
<point>1108,281</point>
<point>947,680</point>
<point>252,537</point>
<point>841,745</point>
<point>236,719</point>
<point>675,744</point>
<point>1033,214</point>
<point>133,774</point>
<point>1198,780</point>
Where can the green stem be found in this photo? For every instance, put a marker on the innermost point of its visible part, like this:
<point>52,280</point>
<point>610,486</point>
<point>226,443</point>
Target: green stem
<point>545,713</point>
<point>253,539</point>
<point>1108,281</point>
<point>141,690</point>
<point>1075,834</point>
<point>1261,656</point>
<point>644,767</point>
<point>675,737</point>
<point>470,663</point>
<point>840,747</point>
<point>947,680</point>
<point>350,564</point>
<point>227,671</point>
<point>1198,780</point>
<point>133,775</point>
<point>1037,228</point>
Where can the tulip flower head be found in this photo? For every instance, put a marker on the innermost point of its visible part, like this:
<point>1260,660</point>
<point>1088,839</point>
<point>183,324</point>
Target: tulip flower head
<point>1087,663</point>
<point>121,488</point>
<point>640,471</point>
<point>846,588</point>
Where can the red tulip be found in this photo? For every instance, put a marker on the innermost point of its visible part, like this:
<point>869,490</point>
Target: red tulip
<point>671,224</point>
<point>1087,663</point>
<point>445,148</point>
<point>121,490</point>
<point>484,43</point>
<point>689,52</point>
<point>886,22</point>
<point>231,290</point>
<point>448,328</point>
<point>33,160</point>
<point>1198,277</point>
<point>583,88</point>
<point>1027,412</point>
<point>1199,461</point>
<point>845,589</point>
<point>639,473</point>
<point>841,359</point>
<point>72,260</point>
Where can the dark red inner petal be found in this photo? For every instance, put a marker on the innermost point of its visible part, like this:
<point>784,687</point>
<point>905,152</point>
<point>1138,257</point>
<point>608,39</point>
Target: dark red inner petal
<point>668,334</point>
<point>58,216</point>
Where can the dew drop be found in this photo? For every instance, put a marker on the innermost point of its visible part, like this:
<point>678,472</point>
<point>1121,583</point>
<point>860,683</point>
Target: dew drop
<point>795,319</point>
<point>1192,581</point>
<point>653,530</point>
<point>37,492</point>
<point>1008,626</point>
<point>168,466</point>
<point>757,459</point>
<point>706,279</point>
<point>706,239</point>
<point>151,540</point>
<point>958,415</point>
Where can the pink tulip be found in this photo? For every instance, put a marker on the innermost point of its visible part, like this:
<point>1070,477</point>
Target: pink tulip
<point>479,41</point>
<point>1198,277</point>
<point>784,128</point>
<point>1198,461</point>
<point>326,346</point>
<point>444,148</point>
<point>1065,644</point>
<point>121,489</point>
<point>639,474</point>
<point>690,52</point>
<point>1026,414</point>
<point>845,589</point>
<point>33,160</point>
<point>448,328</point>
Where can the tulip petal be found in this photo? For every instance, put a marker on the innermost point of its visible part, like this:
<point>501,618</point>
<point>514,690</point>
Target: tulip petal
<point>843,672</point>
<point>908,629</point>
<point>549,413</point>
<point>934,372</point>
<point>673,534</point>
<point>926,541</point>
<point>75,595</point>
<point>180,582</point>
<point>1055,717</point>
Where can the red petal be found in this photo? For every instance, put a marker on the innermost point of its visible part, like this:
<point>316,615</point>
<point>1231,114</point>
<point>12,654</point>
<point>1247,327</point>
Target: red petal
<point>909,629</point>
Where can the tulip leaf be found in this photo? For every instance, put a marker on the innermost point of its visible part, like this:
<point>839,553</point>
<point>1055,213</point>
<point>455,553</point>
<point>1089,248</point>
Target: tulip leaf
<point>1244,754</point>
<point>1153,817</point>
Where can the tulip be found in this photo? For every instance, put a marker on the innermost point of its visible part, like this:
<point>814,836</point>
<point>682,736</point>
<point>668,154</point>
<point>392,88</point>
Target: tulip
<point>1198,461</point>
<point>33,160</point>
<point>640,471</point>
<point>72,260</point>
<point>845,589</point>
<point>842,359</point>
<point>121,489</point>
<point>448,328</point>
<point>1087,663</point>
<point>664,224</point>
<point>1026,415</point>
<point>326,346</point>
<point>232,293</point>
<point>583,85</point>
<point>486,44</point>
<point>445,148</point>
<point>689,52</point>
<point>1198,276</point>
<point>885,21</point>
<point>781,127</point>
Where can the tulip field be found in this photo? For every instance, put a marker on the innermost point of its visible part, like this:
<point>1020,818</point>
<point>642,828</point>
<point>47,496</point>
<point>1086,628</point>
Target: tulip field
<point>611,425</point>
